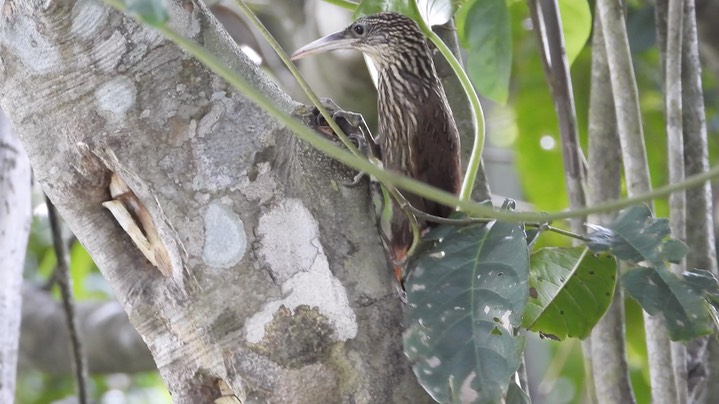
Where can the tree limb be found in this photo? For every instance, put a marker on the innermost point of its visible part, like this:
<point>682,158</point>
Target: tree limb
<point>15,217</point>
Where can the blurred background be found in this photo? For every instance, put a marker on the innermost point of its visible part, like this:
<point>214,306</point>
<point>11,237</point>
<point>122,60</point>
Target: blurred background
<point>522,157</point>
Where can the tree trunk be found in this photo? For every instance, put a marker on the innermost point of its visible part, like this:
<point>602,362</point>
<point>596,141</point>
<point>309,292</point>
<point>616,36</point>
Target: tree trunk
<point>279,286</point>
<point>14,231</point>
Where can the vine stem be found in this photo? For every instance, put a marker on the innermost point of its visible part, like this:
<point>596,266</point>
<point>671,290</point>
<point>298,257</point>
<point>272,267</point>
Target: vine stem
<point>477,113</point>
<point>297,75</point>
<point>390,178</point>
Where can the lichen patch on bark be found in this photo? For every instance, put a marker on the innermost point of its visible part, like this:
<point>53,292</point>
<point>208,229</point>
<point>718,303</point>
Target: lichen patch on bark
<point>115,98</point>
<point>290,246</point>
<point>225,238</point>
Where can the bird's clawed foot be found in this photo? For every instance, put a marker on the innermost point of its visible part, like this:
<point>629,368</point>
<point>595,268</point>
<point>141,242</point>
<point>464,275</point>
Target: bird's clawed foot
<point>352,124</point>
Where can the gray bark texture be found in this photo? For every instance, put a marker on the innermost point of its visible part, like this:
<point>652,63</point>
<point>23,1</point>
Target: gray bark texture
<point>610,370</point>
<point>14,230</point>
<point>636,174</point>
<point>279,287</point>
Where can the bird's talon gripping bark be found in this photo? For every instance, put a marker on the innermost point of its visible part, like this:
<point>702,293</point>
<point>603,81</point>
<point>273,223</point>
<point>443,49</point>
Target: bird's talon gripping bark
<point>355,181</point>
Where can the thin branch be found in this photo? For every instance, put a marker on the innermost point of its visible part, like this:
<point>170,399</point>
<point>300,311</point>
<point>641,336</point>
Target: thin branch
<point>610,371</point>
<point>703,380</point>
<point>636,173</point>
<point>65,284</point>
<point>675,153</point>
<point>548,29</point>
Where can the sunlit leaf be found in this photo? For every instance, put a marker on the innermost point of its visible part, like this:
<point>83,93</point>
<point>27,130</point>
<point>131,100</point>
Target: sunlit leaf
<point>576,26</point>
<point>467,293</point>
<point>484,30</point>
<point>570,289</point>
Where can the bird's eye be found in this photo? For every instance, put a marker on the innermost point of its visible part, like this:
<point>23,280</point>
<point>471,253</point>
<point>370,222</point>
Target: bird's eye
<point>358,29</point>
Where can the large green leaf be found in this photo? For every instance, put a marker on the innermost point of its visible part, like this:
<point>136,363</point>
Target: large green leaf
<point>637,237</point>
<point>485,32</point>
<point>687,315</point>
<point>576,26</point>
<point>569,291</point>
<point>467,293</point>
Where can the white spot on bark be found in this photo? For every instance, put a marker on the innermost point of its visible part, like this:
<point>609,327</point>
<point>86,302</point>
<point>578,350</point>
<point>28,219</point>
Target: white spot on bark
<point>23,40</point>
<point>87,17</point>
<point>290,245</point>
<point>115,97</point>
<point>225,239</point>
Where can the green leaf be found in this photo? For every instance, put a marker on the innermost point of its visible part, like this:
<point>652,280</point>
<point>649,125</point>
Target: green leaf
<point>81,267</point>
<point>150,12</point>
<point>576,26</point>
<point>467,293</point>
<point>705,283</point>
<point>432,12</point>
<point>659,291</point>
<point>404,7</point>
<point>570,289</point>
<point>636,236</point>
<point>485,32</point>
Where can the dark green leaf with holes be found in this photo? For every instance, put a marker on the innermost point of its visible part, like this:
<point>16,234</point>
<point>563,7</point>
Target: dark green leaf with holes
<point>659,291</point>
<point>636,236</point>
<point>569,291</point>
<point>467,291</point>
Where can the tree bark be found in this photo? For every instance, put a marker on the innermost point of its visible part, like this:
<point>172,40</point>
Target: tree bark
<point>279,286</point>
<point>610,370</point>
<point>14,231</point>
<point>636,173</point>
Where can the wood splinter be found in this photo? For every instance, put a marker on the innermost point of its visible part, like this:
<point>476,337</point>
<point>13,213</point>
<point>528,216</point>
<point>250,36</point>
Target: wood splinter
<point>134,218</point>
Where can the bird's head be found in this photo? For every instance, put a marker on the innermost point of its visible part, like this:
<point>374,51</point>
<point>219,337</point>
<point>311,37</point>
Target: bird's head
<point>383,37</point>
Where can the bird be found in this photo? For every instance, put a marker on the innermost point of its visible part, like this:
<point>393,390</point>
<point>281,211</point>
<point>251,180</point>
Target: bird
<point>418,136</point>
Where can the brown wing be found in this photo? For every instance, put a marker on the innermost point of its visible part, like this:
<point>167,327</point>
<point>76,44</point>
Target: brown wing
<point>436,150</point>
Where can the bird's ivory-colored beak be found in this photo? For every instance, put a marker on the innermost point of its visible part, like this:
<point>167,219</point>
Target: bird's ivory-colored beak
<point>337,40</point>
